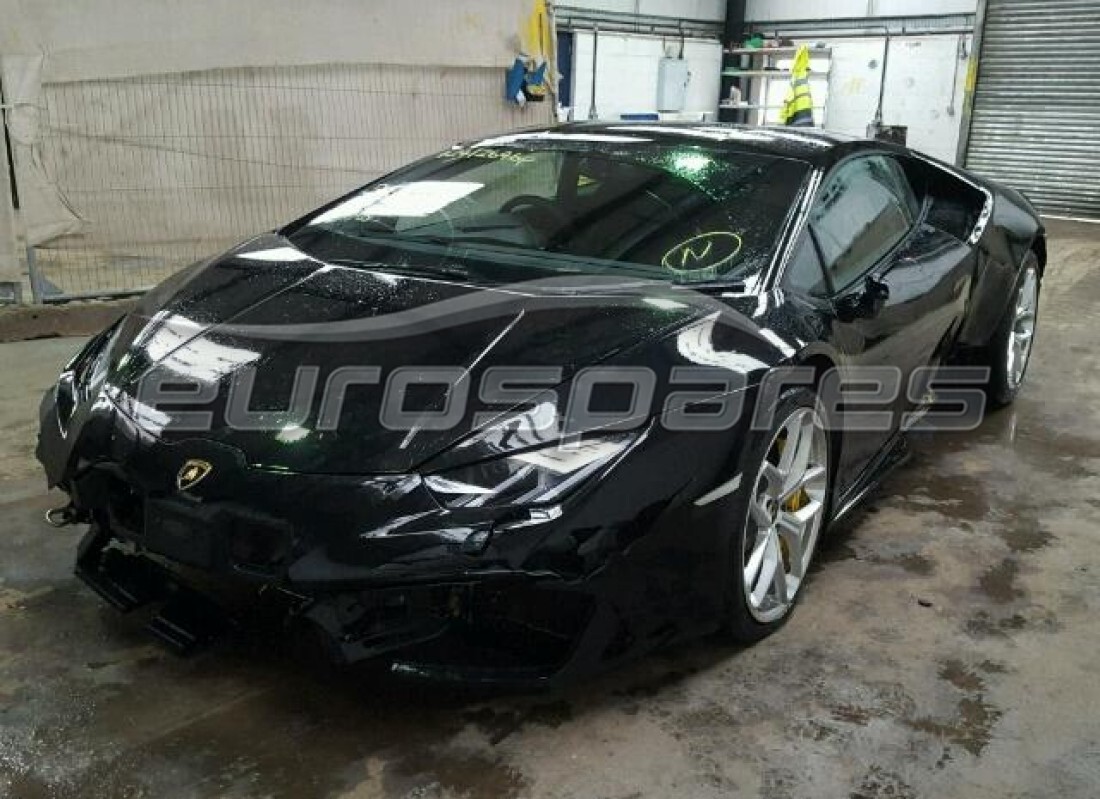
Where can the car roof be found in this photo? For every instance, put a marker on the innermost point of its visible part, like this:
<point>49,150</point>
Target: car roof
<point>818,147</point>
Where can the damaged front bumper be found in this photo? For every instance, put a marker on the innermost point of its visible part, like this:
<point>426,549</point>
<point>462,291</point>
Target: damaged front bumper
<point>524,629</point>
<point>374,566</point>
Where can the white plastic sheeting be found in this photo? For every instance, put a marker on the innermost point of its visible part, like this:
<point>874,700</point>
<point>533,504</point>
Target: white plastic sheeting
<point>174,167</point>
<point>9,259</point>
<point>149,133</point>
<point>45,213</point>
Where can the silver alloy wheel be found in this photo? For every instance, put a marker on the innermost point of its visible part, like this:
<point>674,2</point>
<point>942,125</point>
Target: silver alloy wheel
<point>1023,328</point>
<point>786,509</point>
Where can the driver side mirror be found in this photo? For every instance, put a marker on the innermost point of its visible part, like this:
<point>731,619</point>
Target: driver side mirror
<point>865,303</point>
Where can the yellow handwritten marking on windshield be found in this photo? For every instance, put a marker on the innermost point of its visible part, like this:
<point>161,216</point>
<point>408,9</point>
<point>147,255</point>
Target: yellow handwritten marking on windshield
<point>704,251</point>
<point>509,156</point>
<point>690,254</point>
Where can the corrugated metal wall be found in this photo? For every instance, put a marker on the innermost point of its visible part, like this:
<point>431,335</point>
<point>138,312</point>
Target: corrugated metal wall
<point>1036,115</point>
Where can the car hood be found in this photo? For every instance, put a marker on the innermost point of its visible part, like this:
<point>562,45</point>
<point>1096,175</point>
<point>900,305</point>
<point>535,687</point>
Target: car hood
<point>268,309</point>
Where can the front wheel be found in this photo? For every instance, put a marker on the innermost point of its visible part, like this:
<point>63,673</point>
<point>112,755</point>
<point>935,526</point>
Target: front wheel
<point>1009,350</point>
<point>780,517</point>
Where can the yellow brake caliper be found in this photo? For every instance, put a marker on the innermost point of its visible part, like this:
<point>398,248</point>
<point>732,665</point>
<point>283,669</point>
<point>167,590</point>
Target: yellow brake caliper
<point>793,504</point>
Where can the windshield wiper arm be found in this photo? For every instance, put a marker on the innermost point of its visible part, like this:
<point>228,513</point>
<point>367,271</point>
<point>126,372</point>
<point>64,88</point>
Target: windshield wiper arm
<point>418,270</point>
<point>449,241</point>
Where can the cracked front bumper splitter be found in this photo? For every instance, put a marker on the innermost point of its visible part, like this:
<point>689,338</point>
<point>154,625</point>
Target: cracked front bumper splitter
<point>416,628</point>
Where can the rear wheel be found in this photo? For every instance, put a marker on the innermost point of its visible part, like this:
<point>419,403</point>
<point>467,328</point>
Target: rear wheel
<point>780,516</point>
<point>1009,350</point>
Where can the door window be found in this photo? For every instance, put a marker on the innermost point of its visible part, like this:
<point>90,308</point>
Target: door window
<point>804,271</point>
<point>865,209</point>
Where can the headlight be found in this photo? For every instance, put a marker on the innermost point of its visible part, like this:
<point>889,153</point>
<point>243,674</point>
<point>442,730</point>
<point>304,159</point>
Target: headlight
<point>83,376</point>
<point>90,367</point>
<point>533,476</point>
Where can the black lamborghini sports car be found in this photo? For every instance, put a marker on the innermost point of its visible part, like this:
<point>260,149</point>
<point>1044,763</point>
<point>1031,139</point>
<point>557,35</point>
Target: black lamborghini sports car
<point>542,401</point>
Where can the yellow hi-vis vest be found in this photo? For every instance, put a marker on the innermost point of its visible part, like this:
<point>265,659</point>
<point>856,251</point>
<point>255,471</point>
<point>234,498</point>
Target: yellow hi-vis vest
<point>798,108</point>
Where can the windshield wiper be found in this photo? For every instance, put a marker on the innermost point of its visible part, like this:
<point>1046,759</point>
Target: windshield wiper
<point>419,270</point>
<point>451,241</point>
<point>733,286</point>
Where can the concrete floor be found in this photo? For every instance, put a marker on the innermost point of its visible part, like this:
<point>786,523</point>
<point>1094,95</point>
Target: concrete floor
<point>947,646</point>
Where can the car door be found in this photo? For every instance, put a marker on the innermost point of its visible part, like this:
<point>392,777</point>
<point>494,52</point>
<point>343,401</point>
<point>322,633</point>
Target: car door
<point>865,226</point>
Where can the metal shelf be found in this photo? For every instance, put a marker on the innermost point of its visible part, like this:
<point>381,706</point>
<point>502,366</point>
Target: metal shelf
<point>746,65</point>
<point>757,73</point>
<point>757,107</point>
<point>788,52</point>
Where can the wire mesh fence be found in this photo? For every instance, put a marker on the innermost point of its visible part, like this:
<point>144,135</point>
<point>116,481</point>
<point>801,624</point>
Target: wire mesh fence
<point>159,171</point>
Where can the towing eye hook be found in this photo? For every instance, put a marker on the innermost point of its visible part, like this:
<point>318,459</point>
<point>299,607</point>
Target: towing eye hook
<point>63,516</point>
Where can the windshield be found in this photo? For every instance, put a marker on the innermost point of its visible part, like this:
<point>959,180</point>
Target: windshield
<point>679,213</point>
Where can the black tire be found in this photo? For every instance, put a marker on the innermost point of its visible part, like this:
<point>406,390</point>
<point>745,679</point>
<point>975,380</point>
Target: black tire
<point>741,624</point>
<point>1002,389</point>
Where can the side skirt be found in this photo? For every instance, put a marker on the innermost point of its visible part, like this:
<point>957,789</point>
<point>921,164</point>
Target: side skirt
<point>893,454</point>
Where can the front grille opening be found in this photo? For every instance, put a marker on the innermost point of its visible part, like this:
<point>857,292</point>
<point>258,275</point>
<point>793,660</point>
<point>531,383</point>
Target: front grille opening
<point>530,625</point>
<point>258,547</point>
<point>512,627</point>
<point>125,508</point>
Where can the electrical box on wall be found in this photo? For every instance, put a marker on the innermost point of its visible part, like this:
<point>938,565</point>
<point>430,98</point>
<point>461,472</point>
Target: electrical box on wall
<point>673,77</point>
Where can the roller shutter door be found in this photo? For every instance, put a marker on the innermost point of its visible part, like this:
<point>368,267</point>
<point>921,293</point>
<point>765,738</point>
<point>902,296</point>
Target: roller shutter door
<point>1035,123</point>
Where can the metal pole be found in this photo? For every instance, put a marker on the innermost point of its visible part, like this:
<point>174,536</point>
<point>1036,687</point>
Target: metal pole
<point>733,35</point>
<point>971,82</point>
<point>833,26</point>
<point>15,289</point>
<point>7,147</point>
<point>38,290</point>
<point>595,49</point>
<point>882,82</point>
